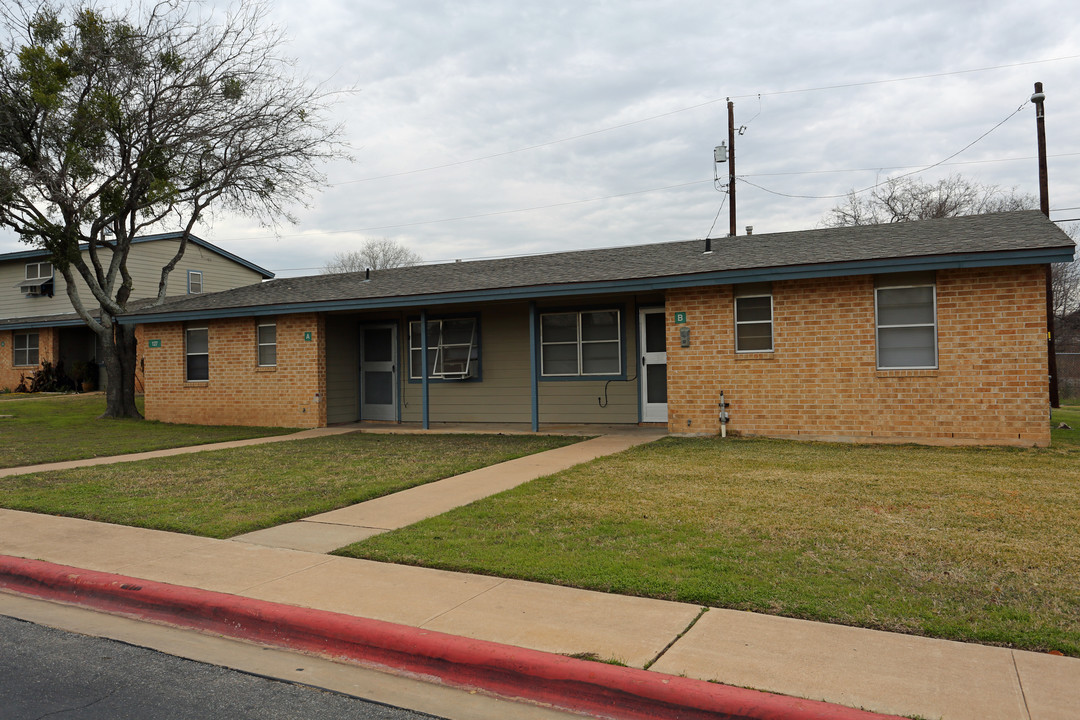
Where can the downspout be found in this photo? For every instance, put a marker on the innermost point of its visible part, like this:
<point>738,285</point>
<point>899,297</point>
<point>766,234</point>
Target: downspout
<point>423,369</point>
<point>534,385</point>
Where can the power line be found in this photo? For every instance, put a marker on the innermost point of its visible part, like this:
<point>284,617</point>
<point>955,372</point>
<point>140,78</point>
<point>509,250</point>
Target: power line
<point>493,213</point>
<point>741,178</point>
<point>902,167</point>
<point>905,79</point>
<point>696,107</point>
<point>902,175</point>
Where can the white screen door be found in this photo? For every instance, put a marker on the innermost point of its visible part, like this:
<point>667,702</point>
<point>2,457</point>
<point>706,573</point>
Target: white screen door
<point>653,364</point>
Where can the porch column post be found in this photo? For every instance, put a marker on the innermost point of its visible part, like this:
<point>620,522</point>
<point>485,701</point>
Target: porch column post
<point>423,368</point>
<point>533,374</point>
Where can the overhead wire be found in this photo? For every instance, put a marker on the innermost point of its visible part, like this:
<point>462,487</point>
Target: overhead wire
<point>896,177</point>
<point>697,106</point>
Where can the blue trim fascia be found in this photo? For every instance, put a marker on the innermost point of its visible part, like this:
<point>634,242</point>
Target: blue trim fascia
<point>77,322</point>
<point>722,277</point>
<point>20,254</point>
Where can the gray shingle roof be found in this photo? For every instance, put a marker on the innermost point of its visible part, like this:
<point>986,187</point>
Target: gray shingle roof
<point>994,235</point>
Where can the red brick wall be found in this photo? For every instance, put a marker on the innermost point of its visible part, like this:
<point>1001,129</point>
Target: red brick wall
<point>822,381</point>
<point>48,340</point>
<point>292,394</point>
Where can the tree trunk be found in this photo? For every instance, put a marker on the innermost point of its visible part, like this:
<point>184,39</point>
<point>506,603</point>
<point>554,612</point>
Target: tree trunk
<point>120,364</point>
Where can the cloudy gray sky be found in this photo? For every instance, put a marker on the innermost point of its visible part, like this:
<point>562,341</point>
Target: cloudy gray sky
<point>483,128</point>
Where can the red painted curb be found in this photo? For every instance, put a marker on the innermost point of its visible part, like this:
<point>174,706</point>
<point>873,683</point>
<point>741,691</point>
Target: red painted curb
<point>579,685</point>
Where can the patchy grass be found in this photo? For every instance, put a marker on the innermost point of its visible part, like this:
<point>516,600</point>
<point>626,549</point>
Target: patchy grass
<point>974,544</point>
<point>54,428</point>
<point>227,492</point>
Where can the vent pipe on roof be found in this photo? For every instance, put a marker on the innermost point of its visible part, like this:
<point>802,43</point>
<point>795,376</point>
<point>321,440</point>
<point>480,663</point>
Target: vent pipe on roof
<point>708,245</point>
<point>749,229</point>
<point>367,274</point>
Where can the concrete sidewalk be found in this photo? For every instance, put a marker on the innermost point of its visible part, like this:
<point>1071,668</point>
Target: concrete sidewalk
<point>877,671</point>
<point>867,669</point>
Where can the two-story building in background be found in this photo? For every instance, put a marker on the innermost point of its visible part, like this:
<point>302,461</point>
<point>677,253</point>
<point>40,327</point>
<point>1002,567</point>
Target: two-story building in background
<point>38,323</point>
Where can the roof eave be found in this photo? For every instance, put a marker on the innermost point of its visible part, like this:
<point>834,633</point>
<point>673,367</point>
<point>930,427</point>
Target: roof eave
<point>38,252</point>
<point>1037,256</point>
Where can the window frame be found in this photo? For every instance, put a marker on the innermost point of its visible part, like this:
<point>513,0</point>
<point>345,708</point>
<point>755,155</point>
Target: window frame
<point>188,354</point>
<point>260,344</point>
<point>15,349</point>
<point>751,294</point>
<point>473,361</point>
<point>620,341</point>
<point>878,327</point>
<point>193,274</point>
<point>38,265</point>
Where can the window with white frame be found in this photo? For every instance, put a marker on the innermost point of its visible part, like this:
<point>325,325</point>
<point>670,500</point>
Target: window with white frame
<point>266,340</point>
<point>197,353</point>
<point>753,318</point>
<point>906,319</point>
<point>194,282</point>
<point>453,349</point>
<point>584,343</point>
<point>24,349</point>
<point>39,270</point>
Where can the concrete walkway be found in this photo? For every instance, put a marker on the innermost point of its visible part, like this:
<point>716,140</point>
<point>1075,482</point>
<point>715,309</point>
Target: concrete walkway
<point>169,452</point>
<point>878,671</point>
<point>337,528</point>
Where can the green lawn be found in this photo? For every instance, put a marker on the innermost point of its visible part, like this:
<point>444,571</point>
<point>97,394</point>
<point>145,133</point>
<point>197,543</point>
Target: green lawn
<point>976,544</point>
<point>227,492</point>
<point>36,429</point>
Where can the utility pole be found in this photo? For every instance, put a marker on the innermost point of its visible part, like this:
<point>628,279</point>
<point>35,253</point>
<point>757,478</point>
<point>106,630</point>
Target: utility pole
<point>731,164</point>
<point>1044,205</point>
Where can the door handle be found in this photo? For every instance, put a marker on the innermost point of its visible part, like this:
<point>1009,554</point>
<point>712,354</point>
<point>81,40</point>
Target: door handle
<point>642,361</point>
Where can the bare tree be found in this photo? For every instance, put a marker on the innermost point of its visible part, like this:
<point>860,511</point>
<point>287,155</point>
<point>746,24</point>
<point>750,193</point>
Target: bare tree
<point>1065,278</point>
<point>115,121</point>
<point>374,254</point>
<point>908,198</point>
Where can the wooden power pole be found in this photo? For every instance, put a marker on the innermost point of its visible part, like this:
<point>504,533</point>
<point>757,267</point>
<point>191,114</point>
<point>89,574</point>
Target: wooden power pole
<point>731,164</point>
<point>1044,205</point>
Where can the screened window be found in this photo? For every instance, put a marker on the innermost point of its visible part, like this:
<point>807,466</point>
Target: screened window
<point>197,350</point>
<point>39,271</point>
<point>266,339</point>
<point>906,326</point>
<point>753,320</point>
<point>194,282</point>
<point>24,349</point>
<point>580,343</point>
<point>453,349</point>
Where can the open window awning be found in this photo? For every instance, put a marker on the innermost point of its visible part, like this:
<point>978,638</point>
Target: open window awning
<point>39,286</point>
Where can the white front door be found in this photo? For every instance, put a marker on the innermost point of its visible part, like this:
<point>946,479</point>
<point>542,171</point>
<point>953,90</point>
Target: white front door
<point>378,372</point>
<point>652,369</point>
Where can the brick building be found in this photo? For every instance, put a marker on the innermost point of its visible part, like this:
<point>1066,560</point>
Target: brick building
<point>930,331</point>
<point>38,323</point>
